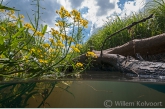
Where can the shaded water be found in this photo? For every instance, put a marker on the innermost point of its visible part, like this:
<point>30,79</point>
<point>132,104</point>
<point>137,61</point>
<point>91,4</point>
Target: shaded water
<point>93,94</point>
<point>89,93</point>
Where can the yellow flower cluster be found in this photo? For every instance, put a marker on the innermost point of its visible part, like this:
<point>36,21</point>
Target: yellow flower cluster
<point>77,18</point>
<point>79,65</point>
<point>75,49</point>
<point>76,15</point>
<point>91,54</point>
<point>63,12</point>
<point>2,28</point>
<point>84,23</point>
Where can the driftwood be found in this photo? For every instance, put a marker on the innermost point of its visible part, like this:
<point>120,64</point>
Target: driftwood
<point>121,57</point>
<point>148,46</point>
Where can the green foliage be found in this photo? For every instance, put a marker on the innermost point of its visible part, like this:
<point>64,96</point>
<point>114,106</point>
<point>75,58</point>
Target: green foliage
<point>28,50</point>
<point>146,29</point>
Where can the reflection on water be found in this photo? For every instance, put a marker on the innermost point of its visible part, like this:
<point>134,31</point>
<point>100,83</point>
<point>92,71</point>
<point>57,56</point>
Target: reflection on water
<point>81,94</point>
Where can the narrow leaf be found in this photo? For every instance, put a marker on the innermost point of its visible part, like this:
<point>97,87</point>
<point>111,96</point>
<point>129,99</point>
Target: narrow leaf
<point>19,32</point>
<point>7,8</point>
<point>44,29</point>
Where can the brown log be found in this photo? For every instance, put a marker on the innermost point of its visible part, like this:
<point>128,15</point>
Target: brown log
<point>120,57</point>
<point>131,65</point>
<point>148,46</point>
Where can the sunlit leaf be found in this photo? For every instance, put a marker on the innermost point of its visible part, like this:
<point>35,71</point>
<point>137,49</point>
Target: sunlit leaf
<point>7,8</point>
<point>1,40</point>
<point>19,32</point>
<point>44,29</point>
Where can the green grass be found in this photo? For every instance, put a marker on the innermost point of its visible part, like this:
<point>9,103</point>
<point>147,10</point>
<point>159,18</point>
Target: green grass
<point>151,27</point>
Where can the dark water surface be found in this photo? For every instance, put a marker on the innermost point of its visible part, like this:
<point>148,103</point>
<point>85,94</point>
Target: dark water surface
<point>87,93</point>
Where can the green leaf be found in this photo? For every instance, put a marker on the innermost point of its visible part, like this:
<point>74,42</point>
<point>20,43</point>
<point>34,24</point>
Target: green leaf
<point>19,32</point>
<point>31,21</point>
<point>1,40</point>
<point>44,29</point>
<point>2,48</point>
<point>7,8</point>
<point>14,44</point>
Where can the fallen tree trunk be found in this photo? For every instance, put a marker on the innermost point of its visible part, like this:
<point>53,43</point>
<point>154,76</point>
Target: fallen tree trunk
<point>120,57</point>
<point>148,46</point>
<point>129,64</point>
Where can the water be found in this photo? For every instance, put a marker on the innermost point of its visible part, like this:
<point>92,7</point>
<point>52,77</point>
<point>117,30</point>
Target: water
<point>93,94</point>
<point>87,93</point>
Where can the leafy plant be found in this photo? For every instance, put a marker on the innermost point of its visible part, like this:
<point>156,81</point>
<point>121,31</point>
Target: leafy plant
<point>28,52</point>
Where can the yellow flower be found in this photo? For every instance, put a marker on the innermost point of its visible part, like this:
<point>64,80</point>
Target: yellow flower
<point>75,49</point>
<point>25,57</point>
<point>62,8</point>
<point>32,50</point>
<point>63,36</point>
<point>56,24</point>
<point>46,45</point>
<point>42,61</point>
<point>38,51</point>
<point>41,56</point>
<point>21,16</point>
<point>2,28</point>
<point>2,10</point>
<point>12,11</point>
<point>70,39</point>
<point>13,17</point>
<point>63,12</point>
<point>54,32</point>
<point>79,64</point>
<point>61,24</point>
<point>51,40</point>
<point>84,23</point>
<point>51,50</point>
<point>37,33</point>
<point>11,24</point>
<point>76,15</point>
<point>91,54</point>
<point>59,43</point>
<point>78,46</point>
<point>28,25</point>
